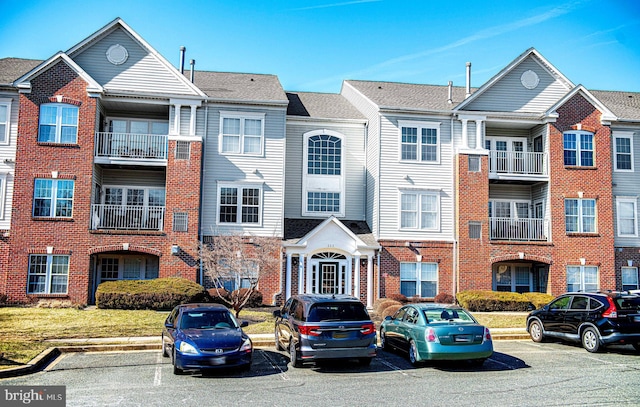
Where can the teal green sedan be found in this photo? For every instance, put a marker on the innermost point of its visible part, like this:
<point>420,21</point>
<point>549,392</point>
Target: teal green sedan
<point>428,331</point>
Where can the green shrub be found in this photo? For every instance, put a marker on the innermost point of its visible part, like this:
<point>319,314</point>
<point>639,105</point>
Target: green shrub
<point>539,300</point>
<point>485,301</point>
<point>157,294</point>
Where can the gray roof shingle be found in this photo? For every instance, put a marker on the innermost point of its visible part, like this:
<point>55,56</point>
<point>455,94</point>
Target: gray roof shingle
<point>321,105</point>
<point>13,68</point>
<point>295,229</point>
<point>240,86</point>
<point>625,105</point>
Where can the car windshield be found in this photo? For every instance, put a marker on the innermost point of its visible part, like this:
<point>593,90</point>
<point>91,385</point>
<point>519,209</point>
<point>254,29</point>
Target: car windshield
<point>446,314</point>
<point>344,311</point>
<point>207,320</point>
<point>628,303</point>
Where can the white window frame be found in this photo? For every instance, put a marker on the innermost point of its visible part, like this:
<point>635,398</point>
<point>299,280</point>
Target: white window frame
<point>242,116</point>
<point>421,267</point>
<point>512,269</point>
<point>420,195</point>
<point>48,274</point>
<point>58,124</point>
<point>3,193</point>
<point>631,285</point>
<point>4,138</point>
<point>581,215</point>
<point>628,200</point>
<point>54,198</point>
<point>419,125</point>
<point>622,135</point>
<point>579,149</point>
<point>323,183</point>
<point>582,283</point>
<point>125,188</point>
<point>240,187</point>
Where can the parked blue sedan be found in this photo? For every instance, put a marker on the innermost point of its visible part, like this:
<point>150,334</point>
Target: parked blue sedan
<point>205,336</point>
<point>430,331</point>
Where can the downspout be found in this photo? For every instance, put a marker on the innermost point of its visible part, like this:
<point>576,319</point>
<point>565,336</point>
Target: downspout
<point>202,172</point>
<point>454,276</point>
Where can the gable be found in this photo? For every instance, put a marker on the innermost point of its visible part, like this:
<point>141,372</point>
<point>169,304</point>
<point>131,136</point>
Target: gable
<point>142,71</point>
<point>530,86</point>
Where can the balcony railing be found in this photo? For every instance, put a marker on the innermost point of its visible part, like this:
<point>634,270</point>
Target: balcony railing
<point>528,229</point>
<point>127,217</point>
<point>517,163</point>
<point>128,145</point>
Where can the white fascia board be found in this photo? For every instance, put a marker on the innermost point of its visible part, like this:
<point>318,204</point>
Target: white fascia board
<point>607,115</point>
<point>24,83</point>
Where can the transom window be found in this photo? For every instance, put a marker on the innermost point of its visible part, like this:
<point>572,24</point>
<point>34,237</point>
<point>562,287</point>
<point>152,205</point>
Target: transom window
<point>5,113</point>
<point>239,204</point>
<point>48,274</point>
<point>241,134</point>
<point>53,198</point>
<point>324,155</point>
<point>419,210</point>
<point>419,141</point>
<point>626,216</point>
<point>419,279</point>
<point>623,155</point>
<point>58,123</point>
<point>578,149</point>
<point>582,278</point>
<point>580,215</point>
<point>328,202</point>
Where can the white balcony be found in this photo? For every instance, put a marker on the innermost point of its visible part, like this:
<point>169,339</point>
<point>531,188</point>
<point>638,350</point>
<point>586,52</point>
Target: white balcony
<point>127,217</point>
<point>527,229</point>
<point>518,165</point>
<point>130,147</point>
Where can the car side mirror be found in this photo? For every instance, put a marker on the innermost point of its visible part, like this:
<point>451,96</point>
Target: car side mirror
<point>168,325</point>
<point>244,323</point>
<point>277,313</point>
<point>388,318</point>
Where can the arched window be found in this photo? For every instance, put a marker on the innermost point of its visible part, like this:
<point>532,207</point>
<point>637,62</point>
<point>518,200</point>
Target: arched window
<point>323,192</point>
<point>324,155</point>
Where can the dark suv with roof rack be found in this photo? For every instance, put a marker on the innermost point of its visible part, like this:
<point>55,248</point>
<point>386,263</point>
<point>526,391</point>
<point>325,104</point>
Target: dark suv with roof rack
<point>325,326</point>
<point>593,319</point>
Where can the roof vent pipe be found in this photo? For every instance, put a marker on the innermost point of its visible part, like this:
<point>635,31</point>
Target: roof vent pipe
<point>193,64</point>
<point>182,51</point>
<point>450,94</point>
<point>468,80</point>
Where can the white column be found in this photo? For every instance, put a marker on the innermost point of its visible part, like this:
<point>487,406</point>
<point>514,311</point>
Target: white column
<point>300,274</point>
<point>309,278</point>
<point>479,145</point>
<point>192,122</point>
<point>349,276</point>
<point>369,282</point>
<point>176,119</point>
<point>287,278</point>
<point>465,136</point>
<point>356,283</point>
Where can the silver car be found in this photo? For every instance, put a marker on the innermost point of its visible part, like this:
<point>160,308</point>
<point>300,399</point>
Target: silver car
<point>325,326</point>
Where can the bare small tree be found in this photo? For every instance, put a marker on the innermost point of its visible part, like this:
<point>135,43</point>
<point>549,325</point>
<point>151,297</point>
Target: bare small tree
<point>241,259</point>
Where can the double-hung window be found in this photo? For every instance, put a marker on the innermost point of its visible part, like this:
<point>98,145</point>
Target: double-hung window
<point>623,154</point>
<point>419,141</point>
<point>5,115</point>
<point>241,133</point>
<point>53,198</point>
<point>582,278</point>
<point>48,274</point>
<point>578,149</point>
<point>239,204</point>
<point>580,215</point>
<point>58,123</point>
<point>626,216</point>
<point>419,210</point>
<point>419,279</point>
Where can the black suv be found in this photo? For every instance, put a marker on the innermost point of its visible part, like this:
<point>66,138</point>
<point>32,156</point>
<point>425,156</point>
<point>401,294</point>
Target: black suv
<point>325,326</point>
<point>594,319</point>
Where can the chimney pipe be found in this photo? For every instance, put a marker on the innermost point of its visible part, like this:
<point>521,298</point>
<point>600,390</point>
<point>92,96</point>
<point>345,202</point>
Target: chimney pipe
<point>450,95</point>
<point>193,64</point>
<point>468,80</point>
<point>182,51</point>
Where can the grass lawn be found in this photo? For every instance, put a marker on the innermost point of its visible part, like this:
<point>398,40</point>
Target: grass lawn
<point>23,330</point>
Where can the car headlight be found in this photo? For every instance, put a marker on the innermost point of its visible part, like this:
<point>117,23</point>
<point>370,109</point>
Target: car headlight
<point>187,348</point>
<point>246,345</point>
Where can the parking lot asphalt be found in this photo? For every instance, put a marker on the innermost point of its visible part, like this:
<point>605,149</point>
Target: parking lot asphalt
<point>154,342</point>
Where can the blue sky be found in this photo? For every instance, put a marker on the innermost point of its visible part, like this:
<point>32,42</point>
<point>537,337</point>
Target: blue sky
<point>312,45</point>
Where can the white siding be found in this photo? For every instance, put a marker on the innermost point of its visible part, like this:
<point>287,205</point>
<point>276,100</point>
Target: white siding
<point>508,94</point>
<point>242,169</point>
<point>7,169</point>
<point>353,167</point>
<point>141,72</point>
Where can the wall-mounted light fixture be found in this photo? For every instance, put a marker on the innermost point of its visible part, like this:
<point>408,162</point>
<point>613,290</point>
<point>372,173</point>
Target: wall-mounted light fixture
<point>175,249</point>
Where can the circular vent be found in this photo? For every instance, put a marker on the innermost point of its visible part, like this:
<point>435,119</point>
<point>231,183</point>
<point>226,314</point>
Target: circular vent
<point>529,79</point>
<point>117,54</point>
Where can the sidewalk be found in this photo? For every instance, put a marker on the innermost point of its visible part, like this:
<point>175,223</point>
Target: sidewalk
<point>132,343</point>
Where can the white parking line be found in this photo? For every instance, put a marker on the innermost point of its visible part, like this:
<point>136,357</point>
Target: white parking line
<point>392,366</point>
<point>283,375</point>
<point>157,379</point>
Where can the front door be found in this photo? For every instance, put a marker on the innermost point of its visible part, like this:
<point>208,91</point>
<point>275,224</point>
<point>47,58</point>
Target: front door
<point>329,274</point>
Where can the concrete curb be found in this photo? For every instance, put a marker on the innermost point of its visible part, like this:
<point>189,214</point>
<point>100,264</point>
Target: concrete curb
<point>47,356</point>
